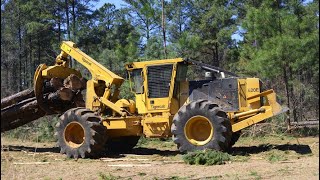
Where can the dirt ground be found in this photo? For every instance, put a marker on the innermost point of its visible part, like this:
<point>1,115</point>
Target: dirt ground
<point>272,157</point>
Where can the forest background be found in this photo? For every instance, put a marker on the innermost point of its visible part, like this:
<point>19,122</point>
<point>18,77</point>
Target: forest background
<point>277,40</point>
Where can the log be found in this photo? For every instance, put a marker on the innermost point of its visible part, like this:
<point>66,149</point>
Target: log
<point>28,110</point>
<point>20,114</point>
<point>56,83</point>
<point>59,96</point>
<point>73,82</point>
<point>79,100</point>
<point>10,100</point>
<point>305,123</point>
<point>65,94</point>
<point>83,83</point>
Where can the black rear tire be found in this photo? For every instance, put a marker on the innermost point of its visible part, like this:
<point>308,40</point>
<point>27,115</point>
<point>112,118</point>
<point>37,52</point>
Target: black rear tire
<point>80,134</point>
<point>122,144</point>
<point>221,126</point>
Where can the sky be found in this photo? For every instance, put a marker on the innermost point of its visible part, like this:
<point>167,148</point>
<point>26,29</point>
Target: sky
<point>117,3</point>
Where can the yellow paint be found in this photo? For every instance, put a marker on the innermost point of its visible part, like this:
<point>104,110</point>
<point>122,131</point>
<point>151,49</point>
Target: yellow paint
<point>157,125</point>
<point>198,130</point>
<point>59,71</point>
<point>253,88</point>
<point>74,134</point>
<point>143,64</point>
<point>152,117</point>
<point>123,126</point>
<point>253,119</point>
<point>245,119</point>
<point>127,104</point>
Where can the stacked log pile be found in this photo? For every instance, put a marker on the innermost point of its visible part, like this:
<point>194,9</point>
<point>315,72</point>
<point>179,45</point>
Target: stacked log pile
<point>59,95</point>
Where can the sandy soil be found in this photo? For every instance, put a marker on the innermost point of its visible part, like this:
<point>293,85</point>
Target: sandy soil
<point>296,158</point>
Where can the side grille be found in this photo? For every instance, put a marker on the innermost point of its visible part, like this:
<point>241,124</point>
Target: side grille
<point>159,78</point>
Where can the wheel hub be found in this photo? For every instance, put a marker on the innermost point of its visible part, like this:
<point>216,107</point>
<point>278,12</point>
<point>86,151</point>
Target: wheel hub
<point>74,134</point>
<point>198,130</point>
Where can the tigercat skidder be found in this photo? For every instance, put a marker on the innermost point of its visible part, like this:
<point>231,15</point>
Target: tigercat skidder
<point>199,114</point>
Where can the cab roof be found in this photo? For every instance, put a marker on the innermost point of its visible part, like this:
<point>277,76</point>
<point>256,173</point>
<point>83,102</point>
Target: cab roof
<point>142,64</point>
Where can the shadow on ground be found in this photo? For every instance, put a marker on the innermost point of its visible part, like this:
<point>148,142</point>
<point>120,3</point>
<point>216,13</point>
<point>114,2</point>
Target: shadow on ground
<point>298,148</point>
<point>146,151</point>
<point>31,149</point>
<point>136,151</point>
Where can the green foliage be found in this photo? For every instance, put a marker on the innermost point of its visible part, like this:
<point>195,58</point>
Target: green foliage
<point>306,131</point>
<point>41,130</point>
<point>103,176</point>
<point>276,155</point>
<point>125,91</point>
<point>153,49</point>
<point>255,175</point>
<point>153,141</point>
<point>142,174</point>
<point>282,45</point>
<point>206,157</point>
<point>46,129</point>
<point>176,178</point>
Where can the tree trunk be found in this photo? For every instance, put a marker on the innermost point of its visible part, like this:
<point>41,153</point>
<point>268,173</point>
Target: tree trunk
<point>67,18</point>
<point>74,20</point>
<point>164,31</point>
<point>20,53</point>
<point>68,25</point>
<point>59,29</point>
<point>286,82</point>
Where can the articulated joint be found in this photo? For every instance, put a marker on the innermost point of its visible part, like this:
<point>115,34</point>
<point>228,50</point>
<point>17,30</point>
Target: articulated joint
<point>62,59</point>
<point>112,106</point>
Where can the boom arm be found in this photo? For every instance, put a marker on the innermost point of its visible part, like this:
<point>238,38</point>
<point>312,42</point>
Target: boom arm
<point>103,82</point>
<point>97,71</point>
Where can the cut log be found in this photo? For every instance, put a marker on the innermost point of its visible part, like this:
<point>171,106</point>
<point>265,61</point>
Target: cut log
<point>83,83</point>
<point>79,100</point>
<point>73,82</point>
<point>22,108</point>
<point>20,114</point>
<point>56,83</point>
<point>18,97</point>
<point>65,94</point>
<point>29,110</point>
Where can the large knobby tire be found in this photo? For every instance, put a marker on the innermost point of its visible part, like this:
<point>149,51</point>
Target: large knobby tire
<point>122,144</point>
<point>80,133</point>
<point>234,138</point>
<point>201,125</point>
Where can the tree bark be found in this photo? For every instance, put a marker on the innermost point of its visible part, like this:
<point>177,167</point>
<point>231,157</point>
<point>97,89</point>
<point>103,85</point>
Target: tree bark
<point>164,31</point>
<point>22,108</point>
<point>7,101</point>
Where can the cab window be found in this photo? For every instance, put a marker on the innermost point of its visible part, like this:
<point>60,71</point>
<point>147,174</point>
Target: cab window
<point>137,81</point>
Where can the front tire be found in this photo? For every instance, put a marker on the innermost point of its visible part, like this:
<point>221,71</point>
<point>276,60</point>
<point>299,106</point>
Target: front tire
<point>201,125</point>
<point>80,133</point>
